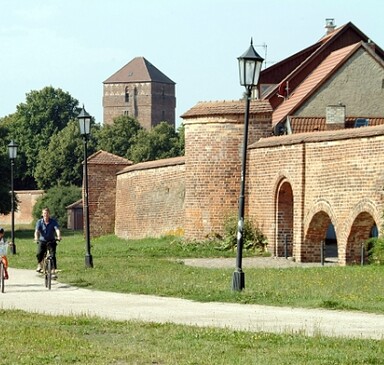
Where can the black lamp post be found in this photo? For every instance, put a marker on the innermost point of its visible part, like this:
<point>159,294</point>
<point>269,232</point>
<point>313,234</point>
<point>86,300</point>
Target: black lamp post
<point>85,125</point>
<point>12,150</point>
<point>249,68</point>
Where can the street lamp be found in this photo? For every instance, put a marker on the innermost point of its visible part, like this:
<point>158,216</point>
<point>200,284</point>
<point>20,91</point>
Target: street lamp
<point>249,69</point>
<point>12,150</point>
<point>85,125</point>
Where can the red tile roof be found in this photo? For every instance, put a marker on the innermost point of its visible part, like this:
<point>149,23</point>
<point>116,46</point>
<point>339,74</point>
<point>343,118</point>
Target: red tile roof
<point>313,82</point>
<point>105,158</point>
<point>165,162</point>
<point>138,70</point>
<point>317,124</point>
<point>319,137</point>
<point>214,108</point>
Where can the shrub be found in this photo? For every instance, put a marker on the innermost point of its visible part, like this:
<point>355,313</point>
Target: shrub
<point>375,247</point>
<point>57,199</point>
<point>254,238</point>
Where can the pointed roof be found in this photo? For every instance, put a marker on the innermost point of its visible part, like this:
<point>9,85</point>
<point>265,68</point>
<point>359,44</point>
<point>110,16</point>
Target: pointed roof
<point>294,69</point>
<point>313,82</point>
<point>138,70</point>
<point>106,158</point>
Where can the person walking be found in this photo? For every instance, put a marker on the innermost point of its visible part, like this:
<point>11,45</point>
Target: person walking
<point>46,228</point>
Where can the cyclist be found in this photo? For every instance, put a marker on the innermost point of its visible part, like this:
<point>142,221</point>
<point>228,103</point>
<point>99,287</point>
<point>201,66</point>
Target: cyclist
<point>4,257</point>
<point>45,230</point>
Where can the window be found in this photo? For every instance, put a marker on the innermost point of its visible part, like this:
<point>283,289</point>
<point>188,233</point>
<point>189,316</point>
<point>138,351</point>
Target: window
<point>126,95</point>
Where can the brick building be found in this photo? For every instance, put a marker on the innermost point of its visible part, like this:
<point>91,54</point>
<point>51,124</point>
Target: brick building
<point>309,166</point>
<point>141,91</point>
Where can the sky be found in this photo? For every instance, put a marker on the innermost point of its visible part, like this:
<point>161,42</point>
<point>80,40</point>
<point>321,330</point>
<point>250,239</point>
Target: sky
<point>75,45</point>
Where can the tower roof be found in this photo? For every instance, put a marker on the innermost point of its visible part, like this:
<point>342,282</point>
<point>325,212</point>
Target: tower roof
<point>138,70</point>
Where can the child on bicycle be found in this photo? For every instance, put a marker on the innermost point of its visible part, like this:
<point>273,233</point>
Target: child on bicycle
<point>45,230</point>
<point>4,257</point>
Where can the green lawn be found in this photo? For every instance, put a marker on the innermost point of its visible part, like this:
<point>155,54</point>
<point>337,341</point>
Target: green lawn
<point>154,267</point>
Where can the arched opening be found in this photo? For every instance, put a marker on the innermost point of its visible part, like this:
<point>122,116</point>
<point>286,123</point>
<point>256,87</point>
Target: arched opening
<point>284,221</point>
<point>330,248</point>
<point>363,228</point>
<point>315,239</point>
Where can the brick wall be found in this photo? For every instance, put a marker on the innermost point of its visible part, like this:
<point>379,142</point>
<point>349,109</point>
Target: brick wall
<point>23,215</point>
<point>150,199</point>
<point>102,169</point>
<point>335,177</point>
<point>150,103</point>
<point>213,146</point>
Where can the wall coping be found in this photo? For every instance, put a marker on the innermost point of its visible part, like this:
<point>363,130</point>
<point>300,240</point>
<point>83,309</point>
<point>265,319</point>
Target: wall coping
<point>226,108</point>
<point>321,136</point>
<point>165,162</point>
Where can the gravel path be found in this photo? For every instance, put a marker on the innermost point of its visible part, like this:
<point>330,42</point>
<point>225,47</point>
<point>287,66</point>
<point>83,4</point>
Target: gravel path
<point>248,262</point>
<point>25,290</point>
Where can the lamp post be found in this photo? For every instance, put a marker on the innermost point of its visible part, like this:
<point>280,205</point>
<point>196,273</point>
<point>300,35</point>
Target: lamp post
<point>12,150</point>
<point>249,68</point>
<point>85,125</point>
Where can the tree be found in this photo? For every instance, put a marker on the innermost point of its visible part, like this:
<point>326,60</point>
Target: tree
<point>162,141</point>
<point>57,199</point>
<point>117,138</point>
<point>61,163</point>
<point>43,114</point>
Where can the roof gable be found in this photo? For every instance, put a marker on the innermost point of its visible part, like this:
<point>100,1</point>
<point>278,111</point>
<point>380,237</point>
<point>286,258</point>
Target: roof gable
<point>106,158</point>
<point>138,70</point>
<point>295,69</point>
<point>313,82</point>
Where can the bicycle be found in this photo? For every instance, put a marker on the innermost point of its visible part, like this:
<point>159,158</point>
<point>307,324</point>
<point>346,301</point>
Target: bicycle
<point>48,265</point>
<point>3,265</point>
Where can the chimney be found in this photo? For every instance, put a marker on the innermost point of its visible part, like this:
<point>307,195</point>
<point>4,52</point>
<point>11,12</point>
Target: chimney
<point>330,25</point>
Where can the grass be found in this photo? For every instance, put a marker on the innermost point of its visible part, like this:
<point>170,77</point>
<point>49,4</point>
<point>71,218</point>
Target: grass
<point>155,267</point>
<point>47,340</point>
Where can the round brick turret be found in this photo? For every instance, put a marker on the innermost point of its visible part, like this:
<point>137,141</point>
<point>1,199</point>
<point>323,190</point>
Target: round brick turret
<point>214,133</point>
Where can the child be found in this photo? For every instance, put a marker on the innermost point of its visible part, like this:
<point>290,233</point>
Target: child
<point>4,256</point>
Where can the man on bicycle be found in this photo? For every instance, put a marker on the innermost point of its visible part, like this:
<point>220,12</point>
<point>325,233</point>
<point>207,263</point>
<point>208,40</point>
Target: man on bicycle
<point>45,230</point>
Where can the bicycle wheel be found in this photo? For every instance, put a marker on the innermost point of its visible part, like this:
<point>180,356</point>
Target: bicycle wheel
<point>2,275</point>
<point>48,273</point>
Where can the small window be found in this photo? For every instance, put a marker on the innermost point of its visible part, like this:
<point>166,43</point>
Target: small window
<point>126,95</point>
<point>361,122</point>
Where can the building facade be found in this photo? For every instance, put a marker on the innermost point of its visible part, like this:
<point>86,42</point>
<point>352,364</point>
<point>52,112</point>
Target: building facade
<point>141,91</point>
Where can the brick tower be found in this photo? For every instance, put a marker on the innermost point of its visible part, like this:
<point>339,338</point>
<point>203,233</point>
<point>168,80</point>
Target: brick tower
<point>141,91</point>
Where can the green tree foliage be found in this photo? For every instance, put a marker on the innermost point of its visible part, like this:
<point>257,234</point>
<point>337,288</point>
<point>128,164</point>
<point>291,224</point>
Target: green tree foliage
<point>57,199</point>
<point>61,164</point>
<point>162,141</point>
<point>117,138</point>
<point>44,113</point>
<point>5,168</point>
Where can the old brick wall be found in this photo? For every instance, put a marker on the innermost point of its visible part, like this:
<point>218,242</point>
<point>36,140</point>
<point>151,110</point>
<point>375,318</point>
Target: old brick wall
<point>102,169</point>
<point>150,199</point>
<point>213,152</point>
<point>23,215</point>
<point>335,178</point>
<point>150,103</point>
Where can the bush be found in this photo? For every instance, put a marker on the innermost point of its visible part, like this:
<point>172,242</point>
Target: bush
<point>254,238</point>
<point>375,247</point>
<point>57,199</point>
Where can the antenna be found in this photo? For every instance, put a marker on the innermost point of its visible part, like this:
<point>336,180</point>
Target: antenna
<point>265,52</point>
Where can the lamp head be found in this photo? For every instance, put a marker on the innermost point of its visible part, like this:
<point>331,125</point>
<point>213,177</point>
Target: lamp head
<point>84,122</point>
<point>250,67</point>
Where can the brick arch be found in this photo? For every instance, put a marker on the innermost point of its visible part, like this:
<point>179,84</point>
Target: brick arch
<point>358,229</point>
<point>284,218</point>
<point>316,224</point>
<point>325,206</point>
